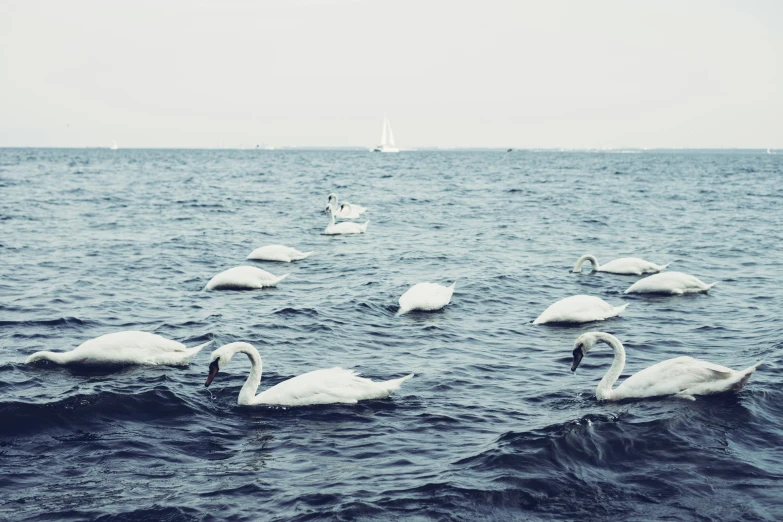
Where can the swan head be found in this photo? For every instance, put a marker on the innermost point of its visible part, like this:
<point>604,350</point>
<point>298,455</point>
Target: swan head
<point>221,357</point>
<point>582,345</point>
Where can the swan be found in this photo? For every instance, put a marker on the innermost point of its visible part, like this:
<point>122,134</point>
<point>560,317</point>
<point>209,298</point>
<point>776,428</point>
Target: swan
<point>329,386</point>
<point>278,253</point>
<point>122,349</point>
<point>623,266</point>
<point>426,296</point>
<point>674,283</point>
<point>243,278</point>
<point>333,202</point>
<point>579,309</point>
<point>347,211</point>
<point>343,228</point>
<point>683,377</point>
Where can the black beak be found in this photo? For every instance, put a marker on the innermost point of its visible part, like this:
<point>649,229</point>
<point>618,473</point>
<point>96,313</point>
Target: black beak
<point>578,354</point>
<point>213,370</point>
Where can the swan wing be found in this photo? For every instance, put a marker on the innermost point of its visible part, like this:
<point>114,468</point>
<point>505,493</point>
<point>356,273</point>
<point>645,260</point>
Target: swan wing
<point>676,283</point>
<point>328,386</point>
<point>131,347</point>
<point>426,296</point>
<point>578,309</point>
<point>628,266</point>
<point>676,376</point>
<point>243,277</point>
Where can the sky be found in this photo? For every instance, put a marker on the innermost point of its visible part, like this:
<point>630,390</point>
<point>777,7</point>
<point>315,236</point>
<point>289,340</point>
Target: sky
<point>514,73</point>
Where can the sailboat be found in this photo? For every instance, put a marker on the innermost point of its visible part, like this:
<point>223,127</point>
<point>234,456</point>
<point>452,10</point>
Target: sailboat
<point>387,138</point>
<point>114,146</point>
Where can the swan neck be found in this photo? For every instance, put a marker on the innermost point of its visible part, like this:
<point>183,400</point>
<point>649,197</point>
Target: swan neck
<point>331,217</point>
<point>604,390</point>
<point>248,391</point>
<point>53,357</point>
<point>586,257</point>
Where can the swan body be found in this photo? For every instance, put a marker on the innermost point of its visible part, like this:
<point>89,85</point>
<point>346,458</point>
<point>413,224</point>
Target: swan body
<point>623,266</point>
<point>243,278</point>
<point>333,228</point>
<point>278,253</point>
<point>684,377</point>
<point>351,211</point>
<point>674,283</point>
<point>426,296</point>
<point>123,349</point>
<point>328,386</point>
<point>579,309</point>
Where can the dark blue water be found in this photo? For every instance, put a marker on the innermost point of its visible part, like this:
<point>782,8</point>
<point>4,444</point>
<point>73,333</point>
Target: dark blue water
<point>493,426</point>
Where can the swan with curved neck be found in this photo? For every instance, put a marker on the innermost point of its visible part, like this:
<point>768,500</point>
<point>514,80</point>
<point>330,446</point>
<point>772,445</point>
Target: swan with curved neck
<point>333,202</point>
<point>343,228</point>
<point>123,349</point>
<point>328,386</point>
<point>622,266</point>
<point>684,377</point>
<point>278,253</point>
<point>579,309</point>
<point>672,283</point>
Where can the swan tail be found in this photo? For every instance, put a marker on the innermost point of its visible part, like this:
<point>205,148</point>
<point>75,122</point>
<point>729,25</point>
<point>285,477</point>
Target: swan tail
<point>617,310</point>
<point>394,384</point>
<point>304,255</point>
<point>745,376</point>
<point>709,287</point>
<point>277,280</point>
<point>193,351</point>
<point>364,227</point>
<point>661,268</point>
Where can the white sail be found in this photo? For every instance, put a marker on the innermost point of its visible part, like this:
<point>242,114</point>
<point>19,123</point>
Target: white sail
<point>391,134</point>
<point>387,138</point>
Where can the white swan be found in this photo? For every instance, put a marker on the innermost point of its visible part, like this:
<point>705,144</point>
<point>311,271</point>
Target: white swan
<point>623,266</point>
<point>278,253</point>
<point>681,376</point>
<point>343,228</point>
<point>243,278</point>
<point>674,283</point>
<point>333,202</point>
<point>122,349</point>
<point>426,296</point>
<point>579,309</point>
<point>330,386</point>
<point>347,211</point>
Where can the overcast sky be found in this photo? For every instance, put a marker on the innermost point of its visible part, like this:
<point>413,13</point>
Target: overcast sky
<point>486,73</point>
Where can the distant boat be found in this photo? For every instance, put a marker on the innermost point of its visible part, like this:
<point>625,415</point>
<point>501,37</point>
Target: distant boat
<point>387,138</point>
<point>769,151</point>
<point>114,146</point>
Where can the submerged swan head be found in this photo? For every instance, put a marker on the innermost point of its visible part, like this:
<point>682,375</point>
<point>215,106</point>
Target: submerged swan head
<point>222,356</point>
<point>582,345</point>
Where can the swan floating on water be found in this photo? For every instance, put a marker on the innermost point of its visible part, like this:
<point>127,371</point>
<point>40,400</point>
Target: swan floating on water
<point>426,296</point>
<point>333,202</point>
<point>329,386</point>
<point>673,283</point>
<point>579,309</point>
<point>278,253</point>
<point>123,349</point>
<point>243,278</point>
<point>343,228</point>
<point>683,377</point>
<point>347,211</point>
<point>623,266</point>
